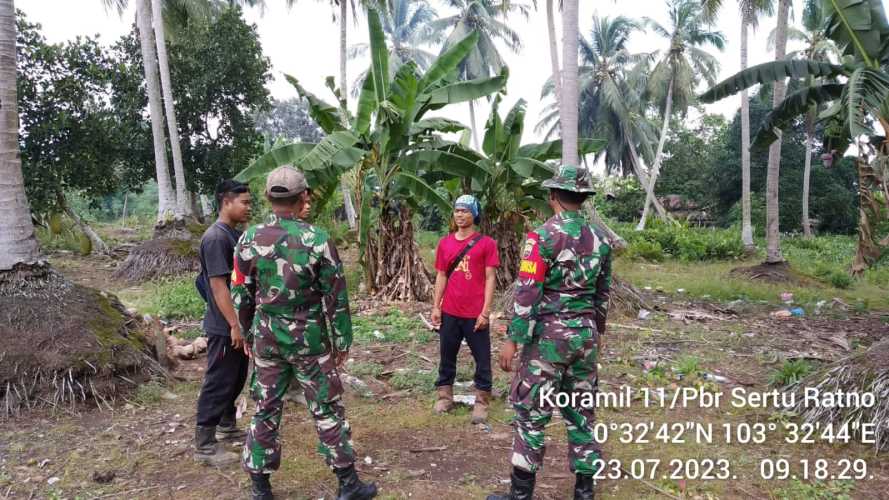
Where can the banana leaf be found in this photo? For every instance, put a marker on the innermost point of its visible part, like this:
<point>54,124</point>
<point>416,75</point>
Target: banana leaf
<point>464,91</point>
<point>335,149</point>
<point>858,27</point>
<point>531,169</point>
<point>431,160</point>
<point>437,125</point>
<point>792,107</point>
<point>282,155</point>
<point>420,191</point>
<point>770,72</point>
<point>325,115</point>
<point>552,150</point>
<point>367,104</point>
<point>448,61</point>
<point>379,54</point>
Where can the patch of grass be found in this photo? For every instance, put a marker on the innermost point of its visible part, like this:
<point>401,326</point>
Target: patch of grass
<point>391,327</point>
<point>366,368</point>
<point>712,279</point>
<point>791,371</point>
<point>149,394</point>
<point>171,298</point>
<point>817,490</point>
<point>688,366</point>
<point>413,380</point>
<point>465,372</point>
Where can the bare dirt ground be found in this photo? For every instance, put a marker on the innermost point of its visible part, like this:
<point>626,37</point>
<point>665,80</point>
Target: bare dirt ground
<point>141,447</point>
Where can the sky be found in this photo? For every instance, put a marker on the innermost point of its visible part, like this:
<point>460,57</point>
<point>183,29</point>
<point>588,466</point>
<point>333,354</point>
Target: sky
<point>304,42</point>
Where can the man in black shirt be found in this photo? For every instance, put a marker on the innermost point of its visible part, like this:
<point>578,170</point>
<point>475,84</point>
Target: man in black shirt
<point>227,357</point>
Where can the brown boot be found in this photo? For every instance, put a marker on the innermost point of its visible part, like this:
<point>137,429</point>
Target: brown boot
<point>480,408</point>
<point>445,401</point>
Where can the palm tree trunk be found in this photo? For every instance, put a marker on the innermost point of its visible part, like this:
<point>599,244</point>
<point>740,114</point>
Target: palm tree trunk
<point>568,105</point>
<point>649,188</point>
<point>472,125</point>
<point>165,197</point>
<point>746,225</point>
<point>98,244</point>
<point>643,179</point>
<point>553,50</point>
<point>183,207</point>
<point>17,242</point>
<point>807,172</point>
<point>344,88</point>
<point>773,235</point>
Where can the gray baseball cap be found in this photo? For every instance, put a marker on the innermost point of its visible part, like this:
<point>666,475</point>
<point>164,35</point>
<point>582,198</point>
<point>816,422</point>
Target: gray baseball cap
<point>284,182</point>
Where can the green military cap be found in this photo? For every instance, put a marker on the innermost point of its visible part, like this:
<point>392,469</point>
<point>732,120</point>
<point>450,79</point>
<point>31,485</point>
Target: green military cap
<point>571,178</point>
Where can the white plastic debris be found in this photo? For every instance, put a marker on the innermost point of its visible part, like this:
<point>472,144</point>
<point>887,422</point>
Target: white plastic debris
<point>378,334</point>
<point>644,314</point>
<point>466,399</point>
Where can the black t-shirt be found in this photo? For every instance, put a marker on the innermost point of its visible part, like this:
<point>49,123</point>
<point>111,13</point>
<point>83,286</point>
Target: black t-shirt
<point>217,254</point>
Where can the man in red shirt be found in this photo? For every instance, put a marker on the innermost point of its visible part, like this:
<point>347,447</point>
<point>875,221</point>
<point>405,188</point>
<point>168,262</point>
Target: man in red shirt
<point>466,263</point>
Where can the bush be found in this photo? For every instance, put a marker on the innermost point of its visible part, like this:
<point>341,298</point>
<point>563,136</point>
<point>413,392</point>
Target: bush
<point>790,372</point>
<point>175,299</point>
<point>685,243</point>
<point>646,250</point>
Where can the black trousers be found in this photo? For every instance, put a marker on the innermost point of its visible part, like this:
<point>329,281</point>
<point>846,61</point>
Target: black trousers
<point>451,333</point>
<point>223,381</point>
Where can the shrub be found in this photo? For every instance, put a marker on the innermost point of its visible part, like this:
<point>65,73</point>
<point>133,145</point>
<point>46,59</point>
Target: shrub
<point>684,243</point>
<point>790,372</point>
<point>646,250</point>
<point>175,299</point>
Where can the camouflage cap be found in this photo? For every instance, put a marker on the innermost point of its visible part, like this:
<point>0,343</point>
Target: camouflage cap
<point>571,178</point>
<point>284,182</point>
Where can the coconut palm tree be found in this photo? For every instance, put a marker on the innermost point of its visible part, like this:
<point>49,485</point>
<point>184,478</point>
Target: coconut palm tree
<point>183,205</point>
<point>611,87</point>
<point>818,48</point>
<point>17,243</point>
<point>750,11</point>
<point>408,27</point>
<point>672,82</point>
<point>553,48</point>
<point>773,235</point>
<point>483,16</point>
<point>570,95</point>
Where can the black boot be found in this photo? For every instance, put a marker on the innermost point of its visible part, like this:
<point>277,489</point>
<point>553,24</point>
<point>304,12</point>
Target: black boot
<point>228,429</point>
<point>207,449</point>
<point>351,488</point>
<point>519,489</point>
<point>584,487</point>
<point>261,489</point>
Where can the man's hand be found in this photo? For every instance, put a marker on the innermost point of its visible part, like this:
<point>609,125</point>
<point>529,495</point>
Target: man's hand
<point>481,322</point>
<point>507,353</point>
<point>340,357</point>
<point>436,317</point>
<point>238,341</point>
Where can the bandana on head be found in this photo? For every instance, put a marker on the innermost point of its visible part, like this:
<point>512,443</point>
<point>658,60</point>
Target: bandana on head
<point>469,202</point>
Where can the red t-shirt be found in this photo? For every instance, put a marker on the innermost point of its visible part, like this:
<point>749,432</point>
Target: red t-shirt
<point>464,294</point>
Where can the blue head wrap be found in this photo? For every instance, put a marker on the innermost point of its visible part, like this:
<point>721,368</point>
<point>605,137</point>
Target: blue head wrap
<point>469,202</point>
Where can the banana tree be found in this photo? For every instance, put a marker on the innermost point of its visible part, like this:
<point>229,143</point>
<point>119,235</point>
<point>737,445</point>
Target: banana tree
<point>861,32</point>
<point>396,155</point>
<point>507,181</point>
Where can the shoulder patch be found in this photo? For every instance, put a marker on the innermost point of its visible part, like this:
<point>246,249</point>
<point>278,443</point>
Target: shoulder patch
<point>237,277</point>
<point>532,265</point>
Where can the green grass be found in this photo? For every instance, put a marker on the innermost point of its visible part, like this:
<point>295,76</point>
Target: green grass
<point>688,366</point>
<point>392,326</point>
<point>712,280</point>
<point>817,490</point>
<point>414,380</point>
<point>791,371</point>
<point>169,299</point>
<point>365,369</point>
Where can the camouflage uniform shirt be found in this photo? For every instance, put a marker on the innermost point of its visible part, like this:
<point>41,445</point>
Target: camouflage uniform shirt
<point>564,279</point>
<point>286,270</point>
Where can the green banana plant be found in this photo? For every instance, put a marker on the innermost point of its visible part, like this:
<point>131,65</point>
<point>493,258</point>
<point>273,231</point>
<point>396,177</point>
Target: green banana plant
<point>394,153</point>
<point>861,32</point>
<point>506,176</point>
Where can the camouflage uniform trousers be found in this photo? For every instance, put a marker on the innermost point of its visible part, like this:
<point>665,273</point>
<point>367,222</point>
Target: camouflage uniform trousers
<point>318,378</point>
<point>565,362</point>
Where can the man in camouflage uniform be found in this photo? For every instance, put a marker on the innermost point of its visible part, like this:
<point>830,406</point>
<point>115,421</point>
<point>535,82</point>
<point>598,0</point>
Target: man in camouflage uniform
<point>561,300</point>
<point>287,285</point>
